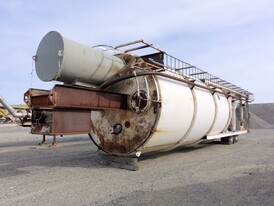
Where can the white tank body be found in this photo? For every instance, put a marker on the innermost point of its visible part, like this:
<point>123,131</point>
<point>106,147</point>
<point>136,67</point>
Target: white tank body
<point>203,117</point>
<point>176,115</point>
<point>222,114</point>
<point>187,115</point>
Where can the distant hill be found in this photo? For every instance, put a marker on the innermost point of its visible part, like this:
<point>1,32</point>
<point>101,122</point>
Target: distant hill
<point>262,116</point>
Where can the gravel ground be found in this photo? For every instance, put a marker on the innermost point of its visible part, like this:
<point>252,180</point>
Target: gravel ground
<point>70,174</point>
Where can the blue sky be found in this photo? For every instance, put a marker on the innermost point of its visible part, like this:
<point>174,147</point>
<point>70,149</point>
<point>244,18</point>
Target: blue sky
<point>232,39</point>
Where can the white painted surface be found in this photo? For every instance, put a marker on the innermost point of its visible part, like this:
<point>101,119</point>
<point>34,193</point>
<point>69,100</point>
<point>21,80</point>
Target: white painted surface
<point>226,134</point>
<point>188,116</point>
<point>204,115</point>
<point>64,60</point>
<point>221,115</point>
<point>177,111</point>
<point>229,100</point>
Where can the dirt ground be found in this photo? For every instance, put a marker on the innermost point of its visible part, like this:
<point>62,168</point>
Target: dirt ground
<point>262,116</point>
<point>71,174</point>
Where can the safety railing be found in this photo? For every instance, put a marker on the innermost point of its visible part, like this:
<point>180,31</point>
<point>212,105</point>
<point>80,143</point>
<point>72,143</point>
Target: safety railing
<point>193,73</point>
<point>178,67</point>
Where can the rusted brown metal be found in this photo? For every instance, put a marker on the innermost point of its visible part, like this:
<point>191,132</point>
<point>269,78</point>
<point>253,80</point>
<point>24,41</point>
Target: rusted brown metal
<point>33,93</point>
<point>61,121</point>
<point>43,140</point>
<point>41,101</point>
<point>85,98</point>
<point>67,110</point>
<point>136,126</point>
<point>142,42</point>
<point>75,97</point>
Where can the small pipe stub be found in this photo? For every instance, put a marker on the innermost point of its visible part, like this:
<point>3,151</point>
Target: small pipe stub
<point>117,129</point>
<point>34,58</point>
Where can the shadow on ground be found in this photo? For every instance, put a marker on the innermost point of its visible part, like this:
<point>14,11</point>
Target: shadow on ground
<point>222,192</point>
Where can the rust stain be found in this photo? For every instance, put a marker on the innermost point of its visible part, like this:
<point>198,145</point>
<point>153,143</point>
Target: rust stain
<point>137,127</point>
<point>73,97</point>
<point>158,131</point>
<point>134,134</point>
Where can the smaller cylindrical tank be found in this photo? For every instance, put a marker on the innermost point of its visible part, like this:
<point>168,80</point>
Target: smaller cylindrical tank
<point>58,58</point>
<point>222,114</point>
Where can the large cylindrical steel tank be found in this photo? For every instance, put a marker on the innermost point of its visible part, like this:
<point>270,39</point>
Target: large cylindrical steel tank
<point>58,58</point>
<point>173,116</point>
<point>164,112</point>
